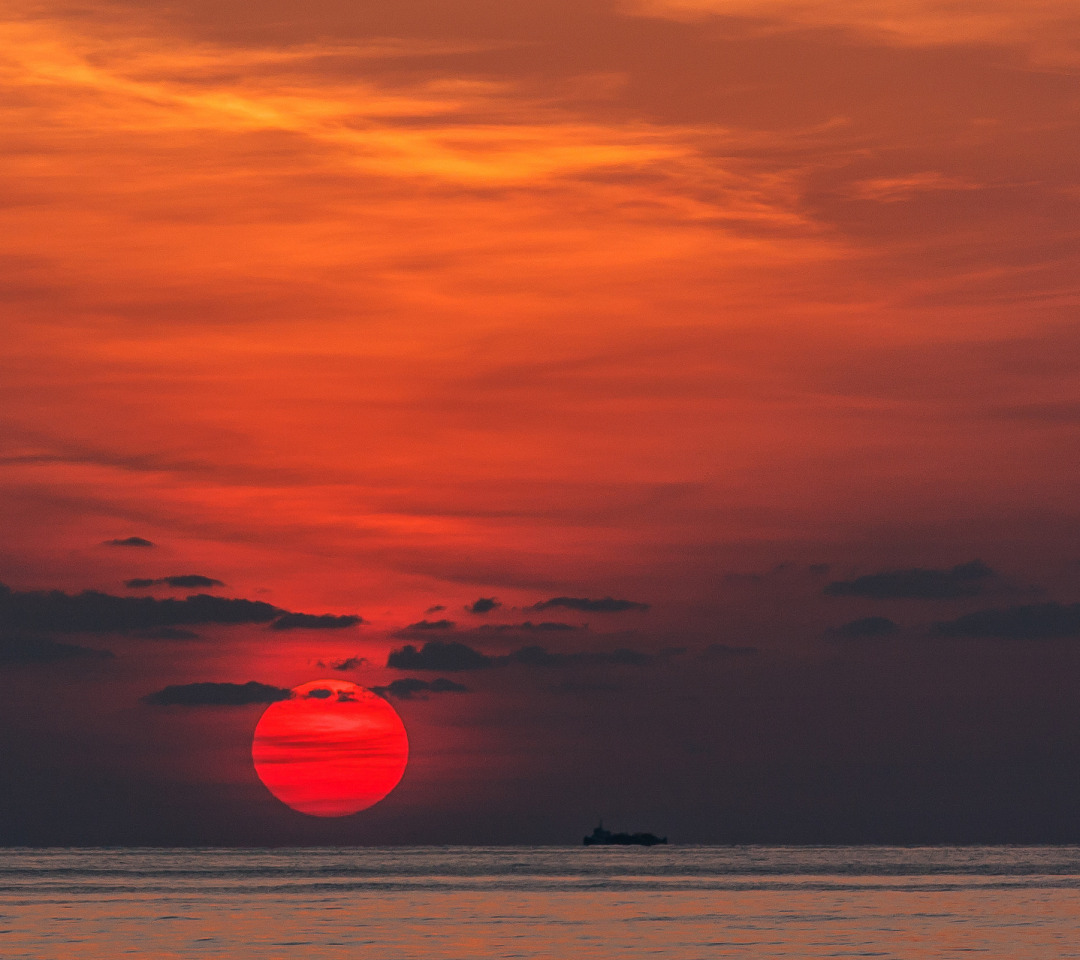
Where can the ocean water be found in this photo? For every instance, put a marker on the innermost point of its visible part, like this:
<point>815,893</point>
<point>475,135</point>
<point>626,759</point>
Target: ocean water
<point>465,903</point>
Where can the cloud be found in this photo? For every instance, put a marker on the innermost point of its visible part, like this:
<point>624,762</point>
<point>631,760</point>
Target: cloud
<point>16,650</point>
<point>187,580</point>
<point>429,625</point>
<point>863,628</point>
<point>217,694</point>
<point>546,626</point>
<point>438,655</point>
<point>129,542</point>
<point>318,693</point>
<point>349,663</point>
<point>963,580</point>
<point>168,633</point>
<point>900,189</point>
<point>483,605</point>
<point>1042,621</point>
<point>452,657</point>
<point>917,23</point>
<point>192,580</point>
<point>94,612</point>
<point>311,621</point>
<point>606,605</point>
<point>408,687</point>
<point>435,609</point>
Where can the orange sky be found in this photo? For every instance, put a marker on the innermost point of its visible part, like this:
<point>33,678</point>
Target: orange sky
<point>365,307</point>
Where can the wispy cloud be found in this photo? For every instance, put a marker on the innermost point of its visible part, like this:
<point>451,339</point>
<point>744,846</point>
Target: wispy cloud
<point>1037,25</point>
<point>169,89</point>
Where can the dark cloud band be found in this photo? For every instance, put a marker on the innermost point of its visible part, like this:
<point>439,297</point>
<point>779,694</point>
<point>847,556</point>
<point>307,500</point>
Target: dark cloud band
<point>312,621</point>
<point>584,604</point>
<point>1041,621</point>
<point>187,580</point>
<point>16,650</point>
<point>94,612</point>
<point>963,580</point>
<point>410,688</point>
<point>217,694</point>
<point>452,657</point>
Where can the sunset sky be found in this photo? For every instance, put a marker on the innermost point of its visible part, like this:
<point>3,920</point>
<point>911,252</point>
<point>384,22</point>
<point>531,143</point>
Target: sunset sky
<point>692,385</point>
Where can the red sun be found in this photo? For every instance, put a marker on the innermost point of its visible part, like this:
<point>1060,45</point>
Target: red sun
<point>331,749</point>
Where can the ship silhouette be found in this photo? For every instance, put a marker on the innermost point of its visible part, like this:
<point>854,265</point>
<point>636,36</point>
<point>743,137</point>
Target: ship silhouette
<point>602,837</point>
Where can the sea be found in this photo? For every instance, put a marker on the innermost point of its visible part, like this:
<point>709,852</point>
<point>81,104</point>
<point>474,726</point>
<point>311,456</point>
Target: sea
<point>469,903</point>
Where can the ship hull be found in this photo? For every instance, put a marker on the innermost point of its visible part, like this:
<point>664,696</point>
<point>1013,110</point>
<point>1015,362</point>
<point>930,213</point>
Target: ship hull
<point>625,840</point>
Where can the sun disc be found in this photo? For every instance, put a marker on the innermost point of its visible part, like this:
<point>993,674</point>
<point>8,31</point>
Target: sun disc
<point>332,749</point>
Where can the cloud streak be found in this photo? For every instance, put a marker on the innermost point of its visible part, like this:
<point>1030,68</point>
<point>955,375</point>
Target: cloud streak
<point>1042,621</point>
<point>452,657</point>
<point>345,664</point>
<point>186,581</point>
<point>94,612</point>
<point>214,694</point>
<point>423,626</point>
<point>18,650</point>
<point>412,688</point>
<point>438,655</point>
<point>963,580</point>
<point>361,122</point>
<point>585,605</point>
<point>544,626</point>
<point>312,621</point>
<point>1036,26</point>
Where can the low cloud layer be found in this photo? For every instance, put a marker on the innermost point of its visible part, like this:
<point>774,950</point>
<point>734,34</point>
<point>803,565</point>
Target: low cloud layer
<point>1041,621</point>
<point>545,626</point>
<point>16,649</point>
<point>411,688</point>
<point>452,657</point>
<point>216,694</point>
<point>584,604</point>
<point>483,605</point>
<point>168,633</point>
<point>963,580</point>
<point>438,655</point>
<point>187,580</point>
<point>423,625</point>
<point>129,542</point>
<point>343,665</point>
<point>312,621</point>
<point>93,612</point>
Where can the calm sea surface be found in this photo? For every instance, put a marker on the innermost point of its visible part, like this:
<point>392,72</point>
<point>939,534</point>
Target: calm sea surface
<point>574,902</point>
